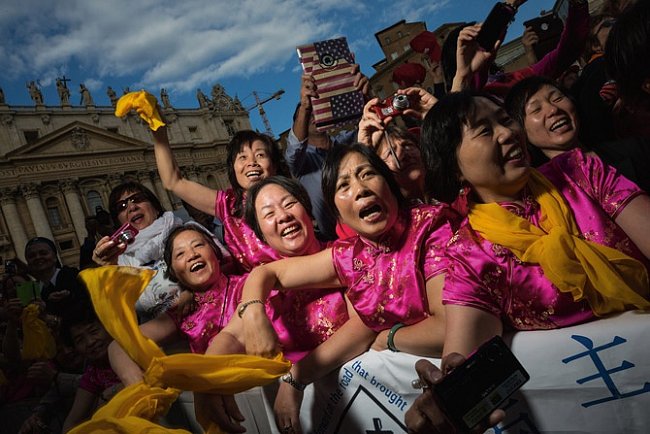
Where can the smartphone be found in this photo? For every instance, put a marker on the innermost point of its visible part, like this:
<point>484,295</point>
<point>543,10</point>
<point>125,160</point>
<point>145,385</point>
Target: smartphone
<point>549,30</point>
<point>125,234</point>
<point>475,389</point>
<point>495,25</point>
<point>331,64</point>
<point>28,292</point>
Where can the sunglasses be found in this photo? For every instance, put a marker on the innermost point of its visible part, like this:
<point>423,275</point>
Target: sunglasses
<point>121,205</point>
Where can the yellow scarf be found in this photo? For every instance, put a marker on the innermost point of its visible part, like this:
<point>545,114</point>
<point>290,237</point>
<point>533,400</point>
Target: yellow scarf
<point>38,342</point>
<point>114,291</point>
<point>144,104</point>
<point>608,279</point>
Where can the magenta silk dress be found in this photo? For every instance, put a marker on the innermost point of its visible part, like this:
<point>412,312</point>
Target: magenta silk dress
<point>240,239</point>
<point>490,277</point>
<point>386,283</point>
<point>302,319</point>
<point>213,310</point>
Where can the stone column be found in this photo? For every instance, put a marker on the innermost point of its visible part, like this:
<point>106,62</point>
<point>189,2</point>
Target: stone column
<point>144,178</point>
<point>14,223</point>
<point>162,194</point>
<point>71,194</point>
<point>37,212</point>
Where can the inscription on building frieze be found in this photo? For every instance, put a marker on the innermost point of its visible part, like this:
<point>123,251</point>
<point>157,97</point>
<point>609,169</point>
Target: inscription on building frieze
<point>62,166</point>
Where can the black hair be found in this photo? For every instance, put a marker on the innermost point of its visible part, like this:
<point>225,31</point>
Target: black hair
<point>515,105</point>
<point>81,313</point>
<point>448,54</point>
<point>169,245</point>
<point>442,134</point>
<point>131,187</point>
<point>234,147</point>
<point>627,52</point>
<point>397,132</point>
<point>332,167</point>
<point>292,186</point>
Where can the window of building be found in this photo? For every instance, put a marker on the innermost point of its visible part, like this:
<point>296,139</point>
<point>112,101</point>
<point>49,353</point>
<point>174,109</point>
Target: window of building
<point>393,55</point>
<point>406,48</point>
<point>31,136</point>
<point>387,40</point>
<point>194,132</point>
<point>399,35</point>
<point>94,200</point>
<point>65,245</point>
<point>54,212</point>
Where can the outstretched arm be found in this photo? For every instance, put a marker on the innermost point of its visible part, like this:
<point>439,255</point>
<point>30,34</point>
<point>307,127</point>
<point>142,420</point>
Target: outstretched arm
<point>198,195</point>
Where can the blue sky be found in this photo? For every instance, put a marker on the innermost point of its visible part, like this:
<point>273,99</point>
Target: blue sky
<point>245,45</point>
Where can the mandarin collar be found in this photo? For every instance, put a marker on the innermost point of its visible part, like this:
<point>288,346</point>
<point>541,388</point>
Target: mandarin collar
<point>390,241</point>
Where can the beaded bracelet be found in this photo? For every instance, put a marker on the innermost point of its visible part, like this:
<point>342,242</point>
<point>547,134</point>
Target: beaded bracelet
<point>391,335</point>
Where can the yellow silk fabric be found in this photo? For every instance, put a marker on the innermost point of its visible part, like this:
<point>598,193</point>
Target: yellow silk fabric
<point>608,279</point>
<point>144,103</point>
<point>114,291</point>
<point>38,342</point>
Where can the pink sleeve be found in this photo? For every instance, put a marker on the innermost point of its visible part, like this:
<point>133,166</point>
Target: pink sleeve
<point>220,205</point>
<point>570,46</point>
<point>86,381</point>
<point>611,189</point>
<point>435,256</point>
<point>473,278</point>
<point>342,258</point>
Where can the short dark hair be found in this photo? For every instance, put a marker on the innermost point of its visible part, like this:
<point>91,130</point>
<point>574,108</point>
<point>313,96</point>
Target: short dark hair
<point>169,245</point>
<point>442,134</point>
<point>81,313</point>
<point>246,138</point>
<point>627,52</point>
<point>292,186</point>
<point>131,187</point>
<point>515,105</point>
<point>332,166</point>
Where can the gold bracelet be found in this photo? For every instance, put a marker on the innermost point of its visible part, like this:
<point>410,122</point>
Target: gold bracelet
<point>243,306</point>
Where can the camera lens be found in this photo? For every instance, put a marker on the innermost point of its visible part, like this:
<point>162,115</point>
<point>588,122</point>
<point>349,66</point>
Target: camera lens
<point>400,102</point>
<point>126,237</point>
<point>327,60</point>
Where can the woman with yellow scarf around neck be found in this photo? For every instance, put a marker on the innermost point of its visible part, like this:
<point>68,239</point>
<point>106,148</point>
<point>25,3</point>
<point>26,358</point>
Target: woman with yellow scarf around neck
<point>539,249</point>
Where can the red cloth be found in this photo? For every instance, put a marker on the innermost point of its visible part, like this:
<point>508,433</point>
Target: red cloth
<point>409,74</point>
<point>427,43</point>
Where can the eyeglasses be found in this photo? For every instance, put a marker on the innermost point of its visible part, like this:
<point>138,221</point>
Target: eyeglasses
<point>121,205</point>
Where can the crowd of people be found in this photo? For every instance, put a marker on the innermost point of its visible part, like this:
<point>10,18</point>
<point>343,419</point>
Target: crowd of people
<point>508,201</point>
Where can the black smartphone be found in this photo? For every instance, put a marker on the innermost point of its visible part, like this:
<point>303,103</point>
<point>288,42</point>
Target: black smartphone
<point>495,25</point>
<point>476,388</point>
<point>549,30</point>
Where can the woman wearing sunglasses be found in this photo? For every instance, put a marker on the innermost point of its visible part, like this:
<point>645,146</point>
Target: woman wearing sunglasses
<point>134,203</point>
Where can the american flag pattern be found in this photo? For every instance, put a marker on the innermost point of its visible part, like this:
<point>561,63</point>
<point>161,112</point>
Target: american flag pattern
<point>331,63</point>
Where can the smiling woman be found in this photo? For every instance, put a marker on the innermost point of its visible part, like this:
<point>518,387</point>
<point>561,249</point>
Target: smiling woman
<point>135,204</point>
<point>539,249</point>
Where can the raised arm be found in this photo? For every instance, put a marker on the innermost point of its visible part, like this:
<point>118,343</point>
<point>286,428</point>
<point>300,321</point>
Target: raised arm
<point>198,195</point>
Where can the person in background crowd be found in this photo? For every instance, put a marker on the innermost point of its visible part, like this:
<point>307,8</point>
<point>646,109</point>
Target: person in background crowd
<point>307,149</point>
<point>134,203</point>
<point>550,121</point>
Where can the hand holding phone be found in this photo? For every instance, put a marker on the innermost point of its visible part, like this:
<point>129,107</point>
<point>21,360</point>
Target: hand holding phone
<point>473,390</point>
<point>125,234</point>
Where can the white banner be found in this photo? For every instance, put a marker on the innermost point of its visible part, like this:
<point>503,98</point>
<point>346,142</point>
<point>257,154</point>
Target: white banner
<point>591,378</point>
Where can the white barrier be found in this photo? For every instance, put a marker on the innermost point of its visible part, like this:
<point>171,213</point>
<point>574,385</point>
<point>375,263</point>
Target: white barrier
<point>591,378</point>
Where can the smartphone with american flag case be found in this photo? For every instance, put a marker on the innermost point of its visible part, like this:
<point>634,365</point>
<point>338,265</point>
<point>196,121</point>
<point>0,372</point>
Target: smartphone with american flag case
<point>331,64</point>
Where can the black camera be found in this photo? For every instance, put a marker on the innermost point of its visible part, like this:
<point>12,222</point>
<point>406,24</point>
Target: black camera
<point>10,267</point>
<point>476,388</point>
<point>495,25</point>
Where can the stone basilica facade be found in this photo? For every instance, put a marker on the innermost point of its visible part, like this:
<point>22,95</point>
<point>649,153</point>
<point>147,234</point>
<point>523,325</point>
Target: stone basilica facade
<point>59,163</point>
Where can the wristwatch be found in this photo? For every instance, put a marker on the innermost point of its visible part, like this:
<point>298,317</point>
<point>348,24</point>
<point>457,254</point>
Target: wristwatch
<point>288,378</point>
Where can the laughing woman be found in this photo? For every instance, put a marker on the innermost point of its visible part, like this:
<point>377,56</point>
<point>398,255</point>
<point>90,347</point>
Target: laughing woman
<point>539,249</point>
